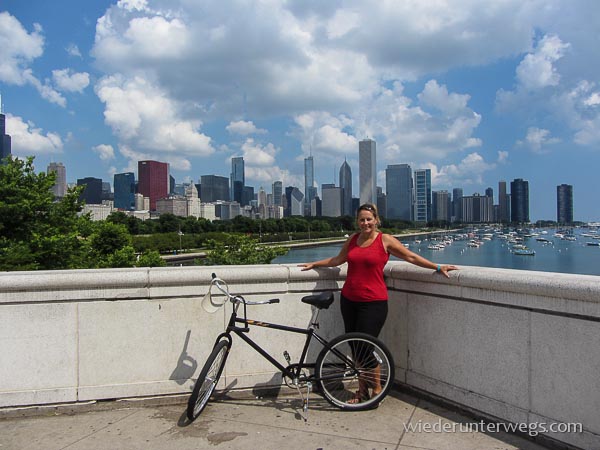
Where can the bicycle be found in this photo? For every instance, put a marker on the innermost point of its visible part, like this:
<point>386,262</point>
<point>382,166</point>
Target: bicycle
<point>354,371</point>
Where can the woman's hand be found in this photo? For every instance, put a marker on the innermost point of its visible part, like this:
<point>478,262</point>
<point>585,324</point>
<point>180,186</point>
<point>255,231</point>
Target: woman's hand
<point>445,268</point>
<point>306,266</point>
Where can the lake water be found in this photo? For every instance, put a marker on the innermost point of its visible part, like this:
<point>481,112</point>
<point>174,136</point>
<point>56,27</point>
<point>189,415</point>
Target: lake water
<point>557,255</point>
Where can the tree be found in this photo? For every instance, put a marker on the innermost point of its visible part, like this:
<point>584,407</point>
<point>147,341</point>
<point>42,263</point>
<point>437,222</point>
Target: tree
<point>238,249</point>
<point>111,245</point>
<point>150,259</point>
<point>35,231</point>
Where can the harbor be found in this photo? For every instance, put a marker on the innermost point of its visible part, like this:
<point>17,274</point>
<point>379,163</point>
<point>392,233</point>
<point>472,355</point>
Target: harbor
<point>576,251</point>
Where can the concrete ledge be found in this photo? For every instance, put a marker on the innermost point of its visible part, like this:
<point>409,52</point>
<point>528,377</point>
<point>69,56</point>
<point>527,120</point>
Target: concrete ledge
<point>520,346</point>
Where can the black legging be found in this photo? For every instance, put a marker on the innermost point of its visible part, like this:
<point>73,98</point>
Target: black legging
<point>364,317</point>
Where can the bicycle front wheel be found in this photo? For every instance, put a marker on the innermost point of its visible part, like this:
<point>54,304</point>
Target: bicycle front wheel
<point>355,372</point>
<point>208,379</point>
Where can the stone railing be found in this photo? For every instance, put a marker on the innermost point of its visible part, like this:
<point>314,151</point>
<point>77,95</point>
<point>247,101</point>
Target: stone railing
<point>515,346</point>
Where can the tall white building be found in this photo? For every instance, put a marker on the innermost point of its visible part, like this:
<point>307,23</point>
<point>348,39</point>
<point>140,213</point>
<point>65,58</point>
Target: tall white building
<point>60,184</point>
<point>367,171</point>
<point>331,205</point>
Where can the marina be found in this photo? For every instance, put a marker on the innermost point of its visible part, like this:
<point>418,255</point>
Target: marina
<point>575,251</point>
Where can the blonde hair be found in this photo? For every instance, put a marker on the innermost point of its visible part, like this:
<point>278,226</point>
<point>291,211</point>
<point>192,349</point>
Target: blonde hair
<point>371,208</point>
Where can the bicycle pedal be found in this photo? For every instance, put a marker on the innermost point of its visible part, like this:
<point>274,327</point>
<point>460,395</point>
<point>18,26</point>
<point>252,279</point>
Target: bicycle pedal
<point>286,355</point>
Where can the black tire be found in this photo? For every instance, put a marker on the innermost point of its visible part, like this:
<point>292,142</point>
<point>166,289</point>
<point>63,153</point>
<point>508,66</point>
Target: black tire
<point>349,357</point>
<point>208,379</point>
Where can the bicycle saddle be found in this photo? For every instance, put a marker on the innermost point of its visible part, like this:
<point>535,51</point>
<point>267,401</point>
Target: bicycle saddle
<point>321,301</point>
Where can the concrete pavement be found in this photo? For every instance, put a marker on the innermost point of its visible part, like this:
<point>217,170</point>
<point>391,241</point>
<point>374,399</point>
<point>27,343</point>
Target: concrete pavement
<point>250,423</point>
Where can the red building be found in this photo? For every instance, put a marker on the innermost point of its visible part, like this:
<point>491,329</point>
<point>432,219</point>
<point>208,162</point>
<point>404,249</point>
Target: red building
<point>153,180</point>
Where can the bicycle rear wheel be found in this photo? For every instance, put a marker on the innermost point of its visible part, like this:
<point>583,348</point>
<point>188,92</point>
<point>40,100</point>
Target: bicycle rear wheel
<point>353,363</point>
<point>208,379</point>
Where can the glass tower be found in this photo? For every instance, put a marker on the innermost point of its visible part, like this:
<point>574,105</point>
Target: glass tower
<point>238,180</point>
<point>124,191</point>
<point>278,193</point>
<point>399,192</point>
<point>346,186</point>
<point>564,204</point>
<point>423,195</point>
<point>5,140</point>
<point>519,200</point>
<point>213,188</point>
<point>310,189</point>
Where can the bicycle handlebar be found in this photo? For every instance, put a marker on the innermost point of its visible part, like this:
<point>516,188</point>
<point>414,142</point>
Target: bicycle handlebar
<point>211,306</point>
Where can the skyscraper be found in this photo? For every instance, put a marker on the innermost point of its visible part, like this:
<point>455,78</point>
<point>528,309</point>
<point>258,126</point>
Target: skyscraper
<point>60,184</point>
<point>277,193</point>
<point>399,190</point>
<point>477,209</point>
<point>5,140</point>
<point>503,203</point>
<point>422,195</point>
<point>519,200</point>
<point>153,180</point>
<point>310,190</point>
<point>213,188</point>
<point>92,193</point>
<point>124,191</point>
<point>296,202</point>
<point>564,204</point>
<point>331,205</point>
<point>346,186</point>
<point>457,194</point>
<point>238,179</point>
<point>440,200</point>
<point>367,171</point>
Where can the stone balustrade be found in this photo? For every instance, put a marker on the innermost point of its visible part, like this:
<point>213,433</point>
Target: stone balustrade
<point>515,346</point>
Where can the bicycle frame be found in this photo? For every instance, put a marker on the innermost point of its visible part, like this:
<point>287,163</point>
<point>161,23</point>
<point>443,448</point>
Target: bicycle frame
<point>293,371</point>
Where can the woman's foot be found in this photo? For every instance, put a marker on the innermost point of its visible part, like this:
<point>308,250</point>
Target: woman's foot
<point>359,397</point>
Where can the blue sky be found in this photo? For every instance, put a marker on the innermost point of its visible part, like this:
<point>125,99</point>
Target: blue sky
<point>476,91</point>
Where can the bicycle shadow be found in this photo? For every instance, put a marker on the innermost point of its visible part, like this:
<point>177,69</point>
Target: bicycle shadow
<point>186,365</point>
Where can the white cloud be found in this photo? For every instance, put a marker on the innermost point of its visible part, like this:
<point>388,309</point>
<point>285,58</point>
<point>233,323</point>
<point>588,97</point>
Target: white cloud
<point>243,128</point>
<point>144,117</point>
<point>69,81</point>
<point>538,139</point>
<point>18,48</point>
<point>592,100</point>
<point>133,5</point>
<point>73,50</point>
<point>407,132</point>
<point>502,156</point>
<point>105,152</point>
<point>256,154</point>
<point>589,132</point>
<point>537,69</point>
<point>45,90</point>
<point>438,97</point>
<point>29,140</point>
<point>469,171</point>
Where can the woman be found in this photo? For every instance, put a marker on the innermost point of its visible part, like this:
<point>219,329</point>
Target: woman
<point>364,295</point>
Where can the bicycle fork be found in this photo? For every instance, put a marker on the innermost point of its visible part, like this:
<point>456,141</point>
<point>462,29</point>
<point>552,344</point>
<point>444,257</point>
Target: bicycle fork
<point>296,383</point>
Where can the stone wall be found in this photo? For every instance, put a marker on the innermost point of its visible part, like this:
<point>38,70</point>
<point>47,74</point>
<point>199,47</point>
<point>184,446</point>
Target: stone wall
<point>517,346</point>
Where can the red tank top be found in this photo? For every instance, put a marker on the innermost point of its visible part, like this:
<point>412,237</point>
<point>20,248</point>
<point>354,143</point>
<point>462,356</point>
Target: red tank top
<point>364,281</point>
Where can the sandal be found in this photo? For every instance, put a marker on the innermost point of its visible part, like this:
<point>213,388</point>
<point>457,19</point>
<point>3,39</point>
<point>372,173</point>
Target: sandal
<point>359,397</point>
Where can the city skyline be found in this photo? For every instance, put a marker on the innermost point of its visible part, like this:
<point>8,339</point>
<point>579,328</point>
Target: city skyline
<point>474,96</point>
